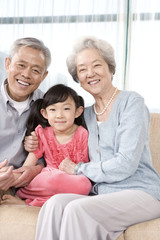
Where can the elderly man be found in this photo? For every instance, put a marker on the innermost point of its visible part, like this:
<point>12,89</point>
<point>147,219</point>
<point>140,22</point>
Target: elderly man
<point>26,67</point>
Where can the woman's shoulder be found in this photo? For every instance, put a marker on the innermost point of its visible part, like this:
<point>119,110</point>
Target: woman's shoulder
<point>130,94</point>
<point>129,98</point>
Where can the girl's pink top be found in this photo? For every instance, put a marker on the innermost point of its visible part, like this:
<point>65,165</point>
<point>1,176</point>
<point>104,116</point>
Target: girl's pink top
<point>54,152</point>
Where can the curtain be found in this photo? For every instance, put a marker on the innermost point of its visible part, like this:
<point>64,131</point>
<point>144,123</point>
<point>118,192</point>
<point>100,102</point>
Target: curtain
<point>143,65</point>
<point>130,26</point>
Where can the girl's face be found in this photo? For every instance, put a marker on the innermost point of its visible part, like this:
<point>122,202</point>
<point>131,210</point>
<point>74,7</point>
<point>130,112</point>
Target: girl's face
<point>93,72</point>
<point>61,115</point>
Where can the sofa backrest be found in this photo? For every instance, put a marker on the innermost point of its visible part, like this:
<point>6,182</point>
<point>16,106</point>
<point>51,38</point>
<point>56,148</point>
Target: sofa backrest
<point>155,140</point>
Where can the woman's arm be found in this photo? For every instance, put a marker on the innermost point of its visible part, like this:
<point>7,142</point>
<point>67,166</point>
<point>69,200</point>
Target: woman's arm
<point>129,140</point>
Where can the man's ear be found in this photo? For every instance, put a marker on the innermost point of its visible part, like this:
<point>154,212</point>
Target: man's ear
<point>7,63</point>
<point>44,113</point>
<point>79,111</point>
<point>44,75</point>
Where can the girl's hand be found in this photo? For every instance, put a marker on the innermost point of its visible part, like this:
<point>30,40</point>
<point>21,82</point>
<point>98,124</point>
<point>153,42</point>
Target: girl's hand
<point>67,166</point>
<point>31,142</point>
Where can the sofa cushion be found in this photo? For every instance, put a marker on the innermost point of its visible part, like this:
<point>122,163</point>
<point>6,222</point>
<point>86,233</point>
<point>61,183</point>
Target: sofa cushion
<point>155,140</point>
<point>121,237</point>
<point>18,222</point>
<point>144,231</point>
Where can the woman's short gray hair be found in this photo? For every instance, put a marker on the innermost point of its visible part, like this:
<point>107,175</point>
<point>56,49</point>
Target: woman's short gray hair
<point>81,43</point>
<point>32,43</point>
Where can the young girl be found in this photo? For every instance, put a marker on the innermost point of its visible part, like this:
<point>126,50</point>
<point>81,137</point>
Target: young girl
<point>61,133</point>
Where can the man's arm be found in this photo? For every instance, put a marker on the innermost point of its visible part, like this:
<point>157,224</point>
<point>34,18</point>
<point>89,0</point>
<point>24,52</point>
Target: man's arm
<point>6,176</point>
<point>31,142</point>
<point>28,171</point>
<point>27,174</point>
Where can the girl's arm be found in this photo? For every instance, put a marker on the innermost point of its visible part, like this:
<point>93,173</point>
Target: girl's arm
<point>30,161</point>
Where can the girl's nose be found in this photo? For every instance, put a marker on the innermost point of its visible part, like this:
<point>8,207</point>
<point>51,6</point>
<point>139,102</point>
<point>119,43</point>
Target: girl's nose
<point>59,114</point>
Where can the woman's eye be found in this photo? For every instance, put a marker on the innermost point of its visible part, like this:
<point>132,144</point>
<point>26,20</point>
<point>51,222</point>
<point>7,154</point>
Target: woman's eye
<point>82,70</point>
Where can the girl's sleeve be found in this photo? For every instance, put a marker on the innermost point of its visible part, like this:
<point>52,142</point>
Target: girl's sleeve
<point>131,137</point>
<point>40,150</point>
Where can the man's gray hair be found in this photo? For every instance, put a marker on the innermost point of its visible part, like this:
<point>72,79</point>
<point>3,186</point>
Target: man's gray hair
<point>32,43</point>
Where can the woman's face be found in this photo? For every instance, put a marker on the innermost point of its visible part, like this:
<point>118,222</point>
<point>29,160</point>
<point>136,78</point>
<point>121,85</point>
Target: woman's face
<point>93,72</point>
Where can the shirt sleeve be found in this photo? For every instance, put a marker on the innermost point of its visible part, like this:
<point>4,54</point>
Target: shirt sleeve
<point>131,137</point>
<point>40,150</point>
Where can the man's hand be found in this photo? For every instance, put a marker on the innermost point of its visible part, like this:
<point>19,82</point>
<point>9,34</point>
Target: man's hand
<point>31,142</point>
<point>67,166</point>
<point>27,174</point>
<point>6,176</point>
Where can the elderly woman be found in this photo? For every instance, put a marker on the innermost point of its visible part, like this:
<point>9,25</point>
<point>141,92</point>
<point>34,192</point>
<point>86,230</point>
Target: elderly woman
<point>126,188</point>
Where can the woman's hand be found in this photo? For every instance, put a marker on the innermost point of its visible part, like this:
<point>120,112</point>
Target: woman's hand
<point>31,142</point>
<point>67,166</point>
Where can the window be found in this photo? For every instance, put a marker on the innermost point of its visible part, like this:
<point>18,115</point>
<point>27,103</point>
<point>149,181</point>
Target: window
<point>131,26</point>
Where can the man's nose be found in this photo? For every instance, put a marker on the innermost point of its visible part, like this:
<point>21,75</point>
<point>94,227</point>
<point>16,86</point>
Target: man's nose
<point>26,72</point>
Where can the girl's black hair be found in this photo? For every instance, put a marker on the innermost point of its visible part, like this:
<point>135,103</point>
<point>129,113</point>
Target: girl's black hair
<point>57,93</point>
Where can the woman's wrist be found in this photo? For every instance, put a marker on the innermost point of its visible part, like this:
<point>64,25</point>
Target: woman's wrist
<point>77,167</point>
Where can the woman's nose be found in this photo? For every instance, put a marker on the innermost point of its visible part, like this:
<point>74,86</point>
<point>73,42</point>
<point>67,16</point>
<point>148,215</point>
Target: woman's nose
<point>90,72</point>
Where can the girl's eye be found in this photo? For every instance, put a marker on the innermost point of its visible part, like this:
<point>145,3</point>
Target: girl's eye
<point>67,108</point>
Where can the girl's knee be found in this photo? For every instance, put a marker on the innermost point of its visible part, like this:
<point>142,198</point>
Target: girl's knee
<point>84,186</point>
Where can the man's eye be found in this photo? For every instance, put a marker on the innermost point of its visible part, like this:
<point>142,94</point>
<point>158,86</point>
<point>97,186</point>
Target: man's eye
<point>36,71</point>
<point>21,65</point>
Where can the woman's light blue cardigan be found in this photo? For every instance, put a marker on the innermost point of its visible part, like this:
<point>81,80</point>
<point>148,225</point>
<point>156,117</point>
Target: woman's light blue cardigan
<point>119,152</point>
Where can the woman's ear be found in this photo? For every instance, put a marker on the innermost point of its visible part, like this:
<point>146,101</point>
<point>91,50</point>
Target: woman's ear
<point>79,111</point>
<point>44,113</point>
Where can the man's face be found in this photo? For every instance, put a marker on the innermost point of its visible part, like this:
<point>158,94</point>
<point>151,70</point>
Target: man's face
<point>26,70</point>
